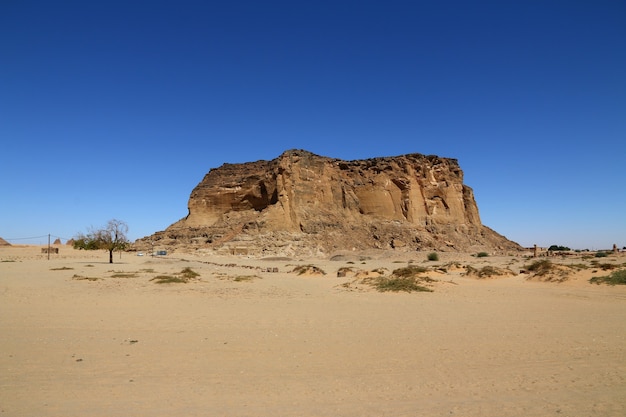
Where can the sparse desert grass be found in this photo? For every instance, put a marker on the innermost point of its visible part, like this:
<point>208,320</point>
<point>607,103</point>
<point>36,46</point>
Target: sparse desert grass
<point>545,270</point>
<point>308,269</point>
<point>8,260</point>
<point>182,277</point>
<point>148,270</point>
<point>405,279</point>
<point>62,268</point>
<point>408,271</point>
<point>82,278</point>
<point>169,279</point>
<point>541,267</point>
<point>189,273</point>
<point>397,284</point>
<point>487,271</point>
<point>614,278</point>
<point>124,275</point>
<point>245,278</point>
<point>605,266</point>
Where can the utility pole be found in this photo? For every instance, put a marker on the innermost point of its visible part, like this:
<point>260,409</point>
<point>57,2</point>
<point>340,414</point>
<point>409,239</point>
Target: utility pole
<point>48,246</point>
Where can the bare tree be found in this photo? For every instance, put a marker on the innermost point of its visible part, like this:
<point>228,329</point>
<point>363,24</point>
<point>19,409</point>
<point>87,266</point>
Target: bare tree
<point>112,237</point>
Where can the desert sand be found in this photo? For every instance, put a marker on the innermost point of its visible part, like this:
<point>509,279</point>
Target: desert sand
<point>249,337</point>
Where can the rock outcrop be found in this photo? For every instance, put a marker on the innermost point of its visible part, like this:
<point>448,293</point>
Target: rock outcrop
<point>302,203</point>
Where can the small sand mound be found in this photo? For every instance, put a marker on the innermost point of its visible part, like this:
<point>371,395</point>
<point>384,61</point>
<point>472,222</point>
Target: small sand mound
<point>487,272</point>
<point>546,271</point>
<point>4,242</point>
<point>308,270</point>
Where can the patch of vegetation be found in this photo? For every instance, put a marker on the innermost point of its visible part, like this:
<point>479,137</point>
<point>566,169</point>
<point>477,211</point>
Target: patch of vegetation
<point>604,266</point>
<point>405,279</point>
<point>308,269</point>
<point>63,268</point>
<point>82,278</point>
<point>8,260</point>
<point>149,270</point>
<point>124,275</point>
<point>487,271</point>
<point>601,255</point>
<point>169,279</point>
<point>482,254</point>
<point>614,278</point>
<point>540,267</point>
<point>433,256</point>
<point>245,278</point>
<point>189,273</point>
<point>183,277</point>
<point>397,284</point>
<point>89,265</point>
<point>408,271</point>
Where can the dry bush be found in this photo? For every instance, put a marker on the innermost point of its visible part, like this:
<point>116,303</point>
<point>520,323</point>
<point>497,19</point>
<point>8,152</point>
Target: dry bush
<point>182,277</point>
<point>614,278</point>
<point>82,278</point>
<point>405,279</point>
<point>396,284</point>
<point>308,270</point>
<point>487,271</point>
<point>546,271</point>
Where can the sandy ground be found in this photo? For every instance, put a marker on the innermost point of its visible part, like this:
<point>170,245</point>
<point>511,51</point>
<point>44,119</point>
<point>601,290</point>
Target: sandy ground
<point>75,340</point>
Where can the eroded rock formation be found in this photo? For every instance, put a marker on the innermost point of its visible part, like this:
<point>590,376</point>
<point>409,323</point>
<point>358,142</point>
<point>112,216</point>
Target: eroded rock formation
<point>302,203</point>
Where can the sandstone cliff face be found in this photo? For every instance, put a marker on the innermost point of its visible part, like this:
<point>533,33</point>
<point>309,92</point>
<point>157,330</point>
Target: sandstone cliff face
<point>302,203</point>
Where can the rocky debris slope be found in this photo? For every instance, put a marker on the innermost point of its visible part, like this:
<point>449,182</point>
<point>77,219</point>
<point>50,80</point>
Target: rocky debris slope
<point>302,203</point>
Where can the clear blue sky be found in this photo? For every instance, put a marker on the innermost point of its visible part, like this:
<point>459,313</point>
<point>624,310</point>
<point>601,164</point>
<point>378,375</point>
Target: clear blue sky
<point>117,109</point>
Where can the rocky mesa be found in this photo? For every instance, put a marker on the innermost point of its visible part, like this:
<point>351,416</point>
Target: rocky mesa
<point>305,204</point>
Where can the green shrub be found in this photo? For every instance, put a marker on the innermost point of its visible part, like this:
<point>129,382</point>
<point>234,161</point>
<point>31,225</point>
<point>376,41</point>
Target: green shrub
<point>396,284</point>
<point>124,275</point>
<point>614,278</point>
<point>408,271</point>
<point>601,254</point>
<point>487,271</point>
<point>540,267</point>
<point>183,277</point>
<point>244,278</point>
<point>189,273</point>
<point>169,279</point>
<point>482,254</point>
<point>433,256</point>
